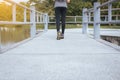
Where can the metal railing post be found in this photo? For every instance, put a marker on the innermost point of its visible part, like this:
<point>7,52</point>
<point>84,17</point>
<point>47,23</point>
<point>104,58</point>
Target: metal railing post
<point>96,20</point>
<point>109,12</point>
<point>89,16</point>
<point>33,23</point>
<point>106,18</point>
<point>37,17</point>
<point>25,15</point>
<point>41,18</point>
<point>14,12</point>
<point>75,19</point>
<point>116,17</point>
<point>48,19</point>
<point>45,22</point>
<point>85,21</point>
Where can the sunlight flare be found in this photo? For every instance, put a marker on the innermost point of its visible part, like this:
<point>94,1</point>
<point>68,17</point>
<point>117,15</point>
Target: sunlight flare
<point>1,0</point>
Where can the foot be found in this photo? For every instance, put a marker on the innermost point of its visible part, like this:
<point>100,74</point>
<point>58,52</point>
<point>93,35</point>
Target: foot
<point>62,36</point>
<point>58,35</point>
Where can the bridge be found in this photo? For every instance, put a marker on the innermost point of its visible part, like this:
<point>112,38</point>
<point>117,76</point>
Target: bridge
<point>79,56</point>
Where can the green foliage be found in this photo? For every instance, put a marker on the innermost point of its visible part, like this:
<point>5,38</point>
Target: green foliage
<point>116,5</point>
<point>75,7</point>
<point>91,1</point>
<point>47,6</point>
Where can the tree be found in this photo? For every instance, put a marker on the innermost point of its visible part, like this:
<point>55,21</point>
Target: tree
<point>92,1</point>
<point>45,6</point>
<point>5,12</point>
<point>74,8</point>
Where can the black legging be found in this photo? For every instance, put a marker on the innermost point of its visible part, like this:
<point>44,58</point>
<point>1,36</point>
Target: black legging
<point>60,14</point>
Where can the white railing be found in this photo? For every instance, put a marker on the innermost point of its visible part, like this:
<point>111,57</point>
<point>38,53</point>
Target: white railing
<point>69,19</point>
<point>36,17</point>
<point>97,17</point>
<point>78,19</point>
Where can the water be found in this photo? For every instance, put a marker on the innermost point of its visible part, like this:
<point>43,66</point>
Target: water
<point>11,34</point>
<point>112,39</point>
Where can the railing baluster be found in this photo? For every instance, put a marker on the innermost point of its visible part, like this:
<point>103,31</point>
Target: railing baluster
<point>37,17</point>
<point>96,21</point>
<point>75,19</point>
<point>89,16</point>
<point>33,23</point>
<point>41,18</point>
<point>48,19</point>
<point>109,12</point>
<point>116,17</point>
<point>85,21</point>
<point>14,12</point>
<point>106,17</point>
<point>25,15</point>
<point>45,22</point>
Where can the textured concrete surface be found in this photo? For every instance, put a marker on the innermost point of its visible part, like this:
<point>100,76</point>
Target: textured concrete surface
<point>77,57</point>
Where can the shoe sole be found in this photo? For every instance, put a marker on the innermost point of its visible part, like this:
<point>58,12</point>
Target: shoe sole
<point>58,38</point>
<point>61,37</point>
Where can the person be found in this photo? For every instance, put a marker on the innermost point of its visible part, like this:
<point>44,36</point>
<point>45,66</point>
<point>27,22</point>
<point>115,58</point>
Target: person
<point>60,16</point>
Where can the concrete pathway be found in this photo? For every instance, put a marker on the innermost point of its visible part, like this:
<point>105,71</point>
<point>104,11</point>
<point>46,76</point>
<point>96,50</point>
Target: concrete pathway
<point>77,57</point>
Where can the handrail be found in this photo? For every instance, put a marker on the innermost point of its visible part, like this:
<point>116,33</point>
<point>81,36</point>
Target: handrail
<point>106,3</point>
<point>7,22</point>
<point>77,19</point>
<point>10,1</point>
<point>89,10</point>
<point>69,19</point>
<point>92,9</point>
<point>113,9</point>
<point>97,17</point>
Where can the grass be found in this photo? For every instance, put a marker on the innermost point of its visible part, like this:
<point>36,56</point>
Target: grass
<point>53,26</point>
<point>68,26</point>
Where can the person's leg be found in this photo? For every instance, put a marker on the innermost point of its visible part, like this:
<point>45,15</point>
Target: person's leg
<point>63,18</point>
<point>57,17</point>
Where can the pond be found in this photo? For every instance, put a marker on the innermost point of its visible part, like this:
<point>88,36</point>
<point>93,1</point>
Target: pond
<point>112,39</point>
<point>11,34</point>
